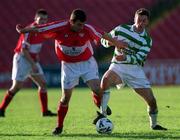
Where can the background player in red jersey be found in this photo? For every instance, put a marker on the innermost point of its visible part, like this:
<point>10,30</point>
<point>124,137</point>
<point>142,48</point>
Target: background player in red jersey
<point>25,64</point>
<point>74,50</point>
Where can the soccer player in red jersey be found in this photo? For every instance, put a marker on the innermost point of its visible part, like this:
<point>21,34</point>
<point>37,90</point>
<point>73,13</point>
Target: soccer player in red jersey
<point>25,64</point>
<point>73,48</point>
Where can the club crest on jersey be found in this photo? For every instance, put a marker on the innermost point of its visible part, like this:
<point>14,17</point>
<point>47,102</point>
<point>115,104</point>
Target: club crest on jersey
<point>81,34</point>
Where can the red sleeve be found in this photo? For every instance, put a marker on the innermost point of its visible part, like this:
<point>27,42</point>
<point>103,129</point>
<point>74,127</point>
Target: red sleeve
<point>49,30</point>
<point>95,33</point>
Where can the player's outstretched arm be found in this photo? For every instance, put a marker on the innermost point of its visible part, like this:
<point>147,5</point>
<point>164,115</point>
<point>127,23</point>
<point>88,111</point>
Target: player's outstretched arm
<point>21,29</point>
<point>114,42</point>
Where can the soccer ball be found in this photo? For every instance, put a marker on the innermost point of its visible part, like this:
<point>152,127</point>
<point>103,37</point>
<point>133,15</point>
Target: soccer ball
<point>104,126</point>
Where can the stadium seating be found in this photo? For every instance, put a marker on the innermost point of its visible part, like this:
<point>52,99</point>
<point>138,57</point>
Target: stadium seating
<point>105,14</point>
<point>166,35</point>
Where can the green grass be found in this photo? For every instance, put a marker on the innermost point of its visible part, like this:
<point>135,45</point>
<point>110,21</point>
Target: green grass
<point>23,117</point>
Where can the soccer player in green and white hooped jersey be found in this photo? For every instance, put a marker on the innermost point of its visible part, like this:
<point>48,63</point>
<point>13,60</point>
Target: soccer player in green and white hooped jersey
<point>126,66</point>
<point>138,45</point>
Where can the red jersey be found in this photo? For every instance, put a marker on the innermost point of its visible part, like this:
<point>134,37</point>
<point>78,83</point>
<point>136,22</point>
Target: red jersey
<point>31,41</point>
<point>71,46</point>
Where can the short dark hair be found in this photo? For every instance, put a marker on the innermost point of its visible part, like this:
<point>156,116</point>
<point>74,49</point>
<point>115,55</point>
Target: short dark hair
<point>143,11</point>
<point>41,12</point>
<point>78,14</point>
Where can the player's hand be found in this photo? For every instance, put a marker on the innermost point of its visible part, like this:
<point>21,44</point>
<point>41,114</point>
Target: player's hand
<point>121,57</point>
<point>19,27</point>
<point>110,44</point>
<point>122,45</point>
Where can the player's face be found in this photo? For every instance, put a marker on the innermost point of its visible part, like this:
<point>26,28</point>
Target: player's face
<point>141,21</point>
<point>77,25</point>
<point>41,19</point>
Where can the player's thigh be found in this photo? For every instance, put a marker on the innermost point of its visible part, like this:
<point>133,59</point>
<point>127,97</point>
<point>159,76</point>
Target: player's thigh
<point>38,79</point>
<point>66,95</point>
<point>110,78</point>
<point>69,75</point>
<point>94,85</point>
<point>40,70</point>
<point>89,70</point>
<point>16,86</point>
<point>134,76</point>
<point>21,68</point>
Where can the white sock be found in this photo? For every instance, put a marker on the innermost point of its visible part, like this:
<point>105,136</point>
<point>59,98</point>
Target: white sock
<point>153,118</point>
<point>104,102</point>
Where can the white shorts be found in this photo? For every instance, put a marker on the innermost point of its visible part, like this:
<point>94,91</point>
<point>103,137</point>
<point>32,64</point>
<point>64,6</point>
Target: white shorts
<point>71,72</point>
<point>132,75</point>
<point>22,68</point>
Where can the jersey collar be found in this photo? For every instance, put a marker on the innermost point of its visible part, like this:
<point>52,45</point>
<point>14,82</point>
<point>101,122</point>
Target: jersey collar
<point>141,34</point>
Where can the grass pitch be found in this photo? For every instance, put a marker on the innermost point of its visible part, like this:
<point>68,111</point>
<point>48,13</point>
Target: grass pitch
<point>23,119</point>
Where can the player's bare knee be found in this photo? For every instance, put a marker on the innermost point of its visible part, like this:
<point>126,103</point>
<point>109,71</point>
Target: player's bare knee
<point>96,90</point>
<point>42,88</point>
<point>105,83</point>
<point>12,92</point>
<point>14,89</point>
<point>42,85</point>
<point>65,100</point>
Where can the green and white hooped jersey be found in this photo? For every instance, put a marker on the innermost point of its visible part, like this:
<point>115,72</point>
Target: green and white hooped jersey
<point>139,45</point>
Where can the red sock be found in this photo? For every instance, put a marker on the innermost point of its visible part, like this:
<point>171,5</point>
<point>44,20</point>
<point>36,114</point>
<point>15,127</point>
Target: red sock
<point>43,99</point>
<point>62,111</point>
<point>7,99</point>
<point>96,99</point>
